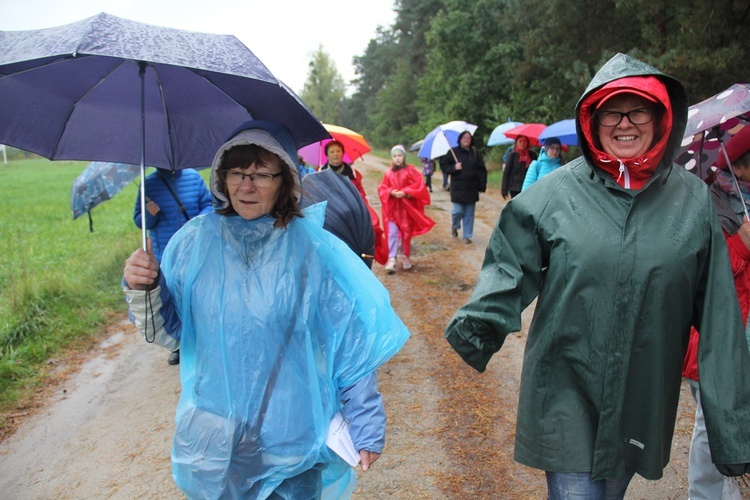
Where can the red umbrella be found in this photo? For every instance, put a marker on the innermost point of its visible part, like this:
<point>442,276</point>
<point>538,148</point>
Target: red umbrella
<point>530,130</point>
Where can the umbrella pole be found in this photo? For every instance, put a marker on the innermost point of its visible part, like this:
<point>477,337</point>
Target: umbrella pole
<point>455,158</point>
<point>734,178</point>
<point>142,72</point>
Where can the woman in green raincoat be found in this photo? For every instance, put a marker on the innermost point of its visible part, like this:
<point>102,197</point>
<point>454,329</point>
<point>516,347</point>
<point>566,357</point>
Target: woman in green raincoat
<point>624,253</point>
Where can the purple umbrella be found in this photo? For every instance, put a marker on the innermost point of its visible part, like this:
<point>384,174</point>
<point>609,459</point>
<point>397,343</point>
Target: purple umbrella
<point>710,124</point>
<point>111,89</point>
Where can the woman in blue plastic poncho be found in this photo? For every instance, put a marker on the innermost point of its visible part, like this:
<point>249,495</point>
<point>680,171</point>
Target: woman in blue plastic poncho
<point>279,324</point>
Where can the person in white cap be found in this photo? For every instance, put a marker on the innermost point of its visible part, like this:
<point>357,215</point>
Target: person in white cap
<point>403,196</point>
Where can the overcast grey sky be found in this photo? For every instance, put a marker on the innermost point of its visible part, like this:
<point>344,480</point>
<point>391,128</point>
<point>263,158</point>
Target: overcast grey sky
<point>282,33</point>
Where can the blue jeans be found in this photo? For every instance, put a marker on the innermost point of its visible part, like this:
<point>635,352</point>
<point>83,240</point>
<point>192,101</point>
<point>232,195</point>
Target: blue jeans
<point>579,486</point>
<point>463,212</point>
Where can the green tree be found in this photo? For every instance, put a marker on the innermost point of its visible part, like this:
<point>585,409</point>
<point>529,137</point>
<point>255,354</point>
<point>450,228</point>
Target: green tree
<point>530,60</point>
<point>324,91</point>
<point>467,72</point>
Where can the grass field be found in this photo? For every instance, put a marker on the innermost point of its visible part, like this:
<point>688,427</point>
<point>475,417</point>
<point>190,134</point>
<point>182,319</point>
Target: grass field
<point>59,282</point>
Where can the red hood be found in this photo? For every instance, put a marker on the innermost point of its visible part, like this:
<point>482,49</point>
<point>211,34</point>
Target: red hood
<point>640,168</point>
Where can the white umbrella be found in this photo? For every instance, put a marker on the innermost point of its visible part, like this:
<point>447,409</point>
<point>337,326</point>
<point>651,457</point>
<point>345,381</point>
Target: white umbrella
<point>444,138</point>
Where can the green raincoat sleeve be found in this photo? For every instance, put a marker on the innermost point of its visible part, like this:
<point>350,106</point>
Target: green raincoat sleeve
<point>509,281</point>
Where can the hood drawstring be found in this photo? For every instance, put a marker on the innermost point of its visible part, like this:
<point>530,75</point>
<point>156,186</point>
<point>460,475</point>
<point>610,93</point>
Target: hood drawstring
<point>671,166</point>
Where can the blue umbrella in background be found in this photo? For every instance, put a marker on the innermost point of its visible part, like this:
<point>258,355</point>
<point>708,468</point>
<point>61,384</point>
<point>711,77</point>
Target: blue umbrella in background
<point>565,130</point>
<point>498,137</point>
<point>99,182</point>
<point>443,138</point>
<point>111,89</point>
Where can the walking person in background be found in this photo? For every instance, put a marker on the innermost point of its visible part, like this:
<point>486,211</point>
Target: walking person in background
<point>280,324</point>
<point>446,177</point>
<point>705,481</point>
<point>173,197</point>
<point>468,178</point>
<point>549,159</point>
<point>303,167</point>
<point>623,252</point>
<point>428,168</point>
<point>403,196</point>
<point>515,168</point>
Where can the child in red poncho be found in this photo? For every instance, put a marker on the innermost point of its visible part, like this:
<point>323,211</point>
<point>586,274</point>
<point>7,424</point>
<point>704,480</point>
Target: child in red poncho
<point>403,196</point>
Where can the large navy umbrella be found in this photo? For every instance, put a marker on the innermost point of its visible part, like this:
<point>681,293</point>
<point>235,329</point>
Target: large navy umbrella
<point>347,215</point>
<point>111,89</point>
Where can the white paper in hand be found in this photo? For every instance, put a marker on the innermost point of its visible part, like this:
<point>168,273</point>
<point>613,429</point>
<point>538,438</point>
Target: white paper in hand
<point>340,441</point>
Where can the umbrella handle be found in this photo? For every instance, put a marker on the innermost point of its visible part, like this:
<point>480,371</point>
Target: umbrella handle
<point>734,178</point>
<point>455,158</point>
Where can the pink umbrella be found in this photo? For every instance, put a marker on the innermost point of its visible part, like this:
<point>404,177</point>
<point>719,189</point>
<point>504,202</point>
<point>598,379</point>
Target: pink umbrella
<point>355,146</point>
<point>530,130</point>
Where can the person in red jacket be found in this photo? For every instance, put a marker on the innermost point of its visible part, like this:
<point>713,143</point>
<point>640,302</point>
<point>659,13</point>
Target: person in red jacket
<point>704,479</point>
<point>334,151</point>
<point>403,196</point>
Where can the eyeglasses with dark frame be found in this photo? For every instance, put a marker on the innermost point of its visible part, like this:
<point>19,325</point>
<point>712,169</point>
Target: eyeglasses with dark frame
<point>258,179</point>
<point>639,116</point>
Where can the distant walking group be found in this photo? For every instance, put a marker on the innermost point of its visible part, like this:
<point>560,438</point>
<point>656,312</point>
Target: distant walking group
<point>281,327</point>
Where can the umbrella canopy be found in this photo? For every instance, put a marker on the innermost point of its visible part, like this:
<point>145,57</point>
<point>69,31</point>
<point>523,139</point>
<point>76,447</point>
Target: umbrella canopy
<point>416,145</point>
<point>710,124</point>
<point>355,145</point>
<point>530,130</point>
<point>443,138</point>
<point>110,89</point>
<point>347,215</point>
<point>74,93</point>
<point>99,182</point>
<point>498,137</point>
<point>565,130</point>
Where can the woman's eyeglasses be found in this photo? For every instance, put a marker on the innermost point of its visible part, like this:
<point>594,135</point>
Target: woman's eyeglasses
<point>259,179</point>
<point>640,116</point>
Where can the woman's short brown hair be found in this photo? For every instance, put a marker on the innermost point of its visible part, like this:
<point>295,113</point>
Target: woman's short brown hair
<point>286,207</point>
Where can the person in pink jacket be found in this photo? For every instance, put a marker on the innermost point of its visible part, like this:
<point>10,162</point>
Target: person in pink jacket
<point>403,196</point>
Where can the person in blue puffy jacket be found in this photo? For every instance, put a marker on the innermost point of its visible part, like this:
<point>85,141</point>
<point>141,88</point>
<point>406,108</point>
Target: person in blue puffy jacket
<point>173,197</point>
<point>168,212</point>
<point>281,328</point>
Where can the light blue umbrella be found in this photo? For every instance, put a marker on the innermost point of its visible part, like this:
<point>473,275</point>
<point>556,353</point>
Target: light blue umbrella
<point>565,130</point>
<point>99,182</point>
<point>497,137</point>
<point>444,138</point>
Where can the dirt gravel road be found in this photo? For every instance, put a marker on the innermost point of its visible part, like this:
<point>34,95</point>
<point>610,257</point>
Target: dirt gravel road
<point>106,431</point>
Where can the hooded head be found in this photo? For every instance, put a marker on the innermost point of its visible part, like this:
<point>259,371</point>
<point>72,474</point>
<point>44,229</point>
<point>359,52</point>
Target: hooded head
<point>552,141</point>
<point>462,135</point>
<point>620,76</point>
<point>274,138</point>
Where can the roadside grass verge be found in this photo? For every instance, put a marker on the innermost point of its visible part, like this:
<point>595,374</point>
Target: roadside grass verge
<point>59,283</point>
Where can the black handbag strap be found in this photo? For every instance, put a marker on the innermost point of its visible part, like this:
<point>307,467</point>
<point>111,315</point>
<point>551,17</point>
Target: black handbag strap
<point>174,195</point>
